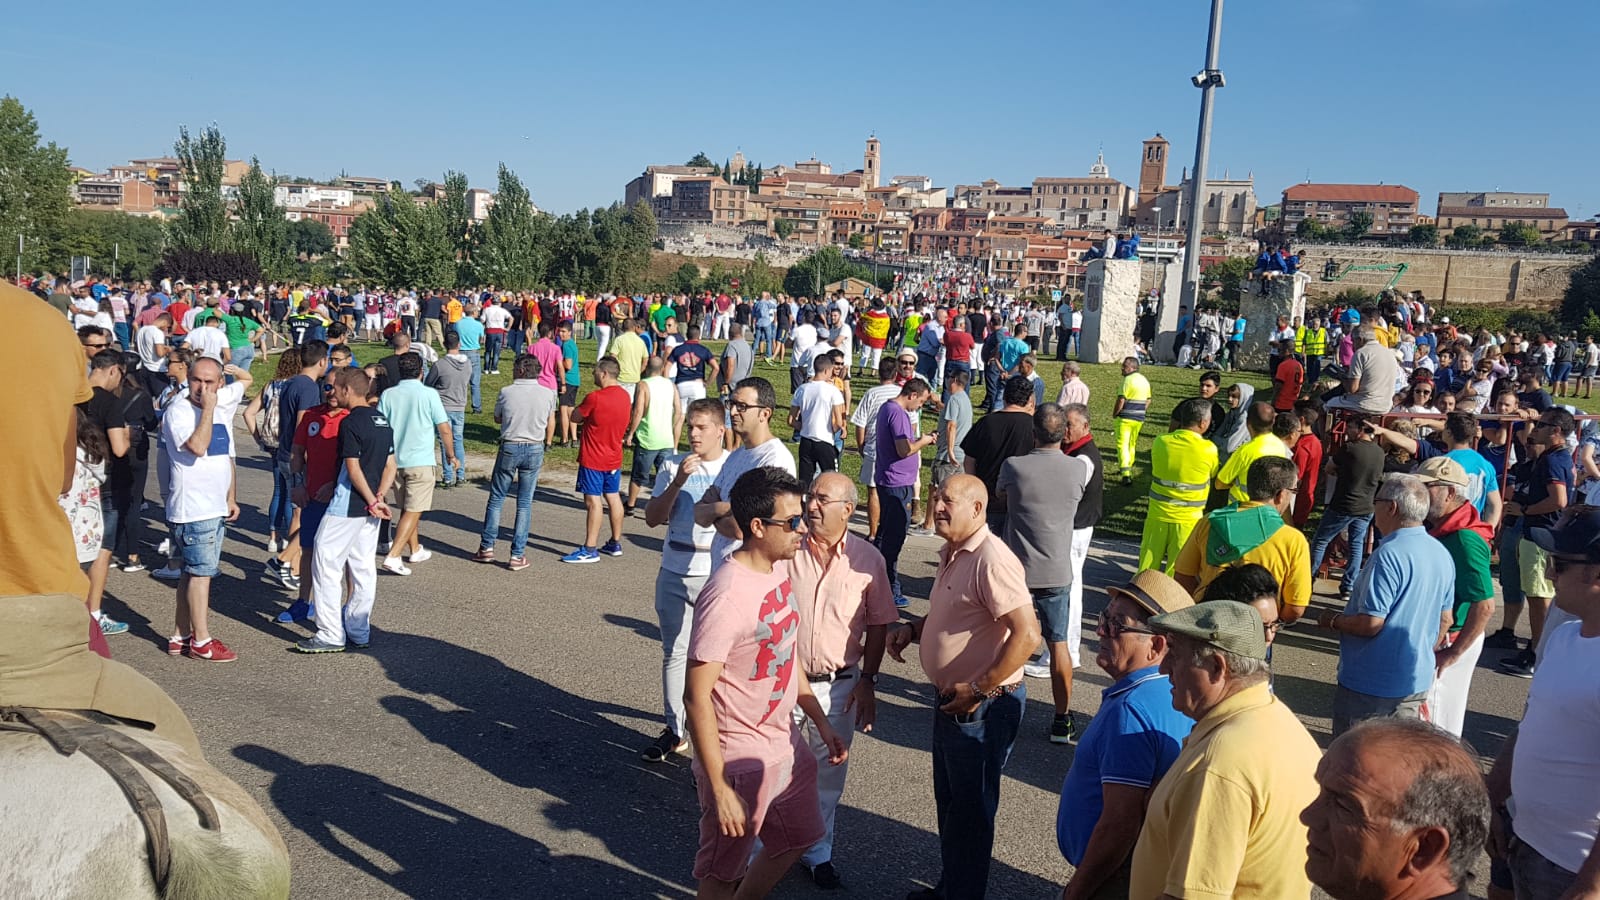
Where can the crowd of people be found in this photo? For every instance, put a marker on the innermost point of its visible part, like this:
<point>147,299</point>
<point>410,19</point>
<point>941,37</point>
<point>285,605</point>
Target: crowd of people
<point>775,615</point>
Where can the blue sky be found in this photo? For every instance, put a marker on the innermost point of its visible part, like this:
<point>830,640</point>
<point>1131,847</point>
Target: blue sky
<point>579,97</point>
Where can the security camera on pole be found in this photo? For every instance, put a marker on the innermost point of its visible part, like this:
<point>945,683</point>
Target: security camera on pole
<point>1207,80</point>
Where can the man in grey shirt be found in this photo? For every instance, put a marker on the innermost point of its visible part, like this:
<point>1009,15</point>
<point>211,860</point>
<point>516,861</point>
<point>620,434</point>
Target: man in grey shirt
<point>1040,492</point>
<point>452,377</point>
<point>526,411</point>
<point>737,359</point>
<point>954,423</point>
<point>1369,383</point>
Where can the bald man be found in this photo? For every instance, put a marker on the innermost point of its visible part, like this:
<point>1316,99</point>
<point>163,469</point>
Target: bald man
<point>841,588</point>
<point>980,630</point>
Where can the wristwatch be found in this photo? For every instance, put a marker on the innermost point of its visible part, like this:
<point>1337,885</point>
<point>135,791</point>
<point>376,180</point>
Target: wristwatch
<point>870,677</point>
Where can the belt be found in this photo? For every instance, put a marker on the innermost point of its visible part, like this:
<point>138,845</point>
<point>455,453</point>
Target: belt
<point>835,675</point>
<point>1003,689</point>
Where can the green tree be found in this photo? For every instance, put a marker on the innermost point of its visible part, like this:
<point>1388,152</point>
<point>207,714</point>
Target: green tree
<point>1582,299</point>
<point>35,186</point>
<point>511,252</point>
<point>117,244</point>
<point>1426,235</point>
<point>202,220</point>
<point>1228,275</point>
<point>457,221</point>
<point>783,228</point>
<point>310,238</point>
<point>1312,230</point>
<point>758,276</point>
<point>402,244</point>
<point>809,276</point>
<point>1519,234</point>
<point>632,256</point>
<point>857,241</point>
<point>260,229</point>
<point>1466,237</point>
<point>1359,224</point>
<point>686,279</point>
<point>701,159</point>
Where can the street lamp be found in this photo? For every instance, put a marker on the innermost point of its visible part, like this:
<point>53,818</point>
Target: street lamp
<point>1208,80</point>
<point>1158,219</point>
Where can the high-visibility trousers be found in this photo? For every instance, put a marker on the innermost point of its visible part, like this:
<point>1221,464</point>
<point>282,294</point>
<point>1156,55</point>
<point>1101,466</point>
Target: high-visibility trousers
<point>1127,440</point>
<point>1163,539</point>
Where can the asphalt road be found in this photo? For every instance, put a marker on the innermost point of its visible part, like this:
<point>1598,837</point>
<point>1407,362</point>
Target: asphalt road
<point>486,744</point>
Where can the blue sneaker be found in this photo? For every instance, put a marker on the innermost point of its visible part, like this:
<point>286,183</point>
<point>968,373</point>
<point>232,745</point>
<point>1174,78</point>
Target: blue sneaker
<point>109,625</point>
<point>581,555</point>
<point>901,602</point>
<point>611,548</point>
<point>297,610</point>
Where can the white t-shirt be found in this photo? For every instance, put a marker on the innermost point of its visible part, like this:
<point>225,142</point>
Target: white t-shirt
<point>406,306</point>
<point>208,341</point>
<point>200,483</point>
<point>866,415</point>
<point>804,337</point>
<point>686,548</point>
<point>773,453</point>
<point>147,340</point>
<point>1555,773</point>
<point>816,400</point>
<point>497,318</point>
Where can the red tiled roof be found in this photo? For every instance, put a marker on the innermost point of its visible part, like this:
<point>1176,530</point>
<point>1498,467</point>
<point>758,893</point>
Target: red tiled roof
<point>1503,212</point>
<point>1357,193</point>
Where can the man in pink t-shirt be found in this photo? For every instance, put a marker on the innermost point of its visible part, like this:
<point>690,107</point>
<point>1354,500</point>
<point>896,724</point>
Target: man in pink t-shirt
<point>979,631</point>
<point>548,352</point>
<point>755,776</point>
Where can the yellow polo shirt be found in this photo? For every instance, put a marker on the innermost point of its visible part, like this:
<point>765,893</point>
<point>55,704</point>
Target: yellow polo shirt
<point>1285,554</point>
<point>1238,465</point>
<point>1224,822</point>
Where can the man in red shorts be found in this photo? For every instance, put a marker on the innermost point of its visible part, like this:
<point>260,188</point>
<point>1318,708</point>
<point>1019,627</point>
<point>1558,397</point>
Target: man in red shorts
<point>755,775</point>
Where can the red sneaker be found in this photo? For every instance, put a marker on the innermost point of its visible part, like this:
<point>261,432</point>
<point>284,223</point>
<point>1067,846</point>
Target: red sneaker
<point>176,645</point>
<point>213,651</point>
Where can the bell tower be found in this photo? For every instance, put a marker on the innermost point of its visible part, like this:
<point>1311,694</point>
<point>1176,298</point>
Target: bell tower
<point>1152,168</point>
<point>871,164</point>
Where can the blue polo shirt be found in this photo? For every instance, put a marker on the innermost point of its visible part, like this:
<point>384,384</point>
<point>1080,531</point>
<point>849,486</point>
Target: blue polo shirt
<point>1132,740</point>
<point>471,331</point>
<point>1409,583</point>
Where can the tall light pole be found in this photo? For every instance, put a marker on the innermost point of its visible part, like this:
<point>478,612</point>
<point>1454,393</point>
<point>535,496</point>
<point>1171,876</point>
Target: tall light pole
<point>1209,79</point>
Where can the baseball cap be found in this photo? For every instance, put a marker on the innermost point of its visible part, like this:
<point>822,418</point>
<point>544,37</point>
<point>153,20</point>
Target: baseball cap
<point>1444,320</point>
<point>1443,470</point>
<point>1224,624</point>
<point>1576,534</point>
<point>1153,591</point>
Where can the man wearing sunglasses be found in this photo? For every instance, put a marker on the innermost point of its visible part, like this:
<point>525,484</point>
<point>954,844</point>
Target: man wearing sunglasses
<point>1127,746</point>
<point>1454,521</point>
<point>1539,499</point>
<point>1548,765</point>
<point>750,411</point>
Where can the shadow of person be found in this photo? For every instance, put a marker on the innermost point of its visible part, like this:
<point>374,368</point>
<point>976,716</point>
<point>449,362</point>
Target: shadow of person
<point>422,847</point>
<point>647,630</point>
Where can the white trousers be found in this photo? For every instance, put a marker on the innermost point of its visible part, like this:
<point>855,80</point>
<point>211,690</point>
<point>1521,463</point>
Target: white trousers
<point>830,778</point>
<point>870,357</point>
<point>1447,699</point>
<point>343,544</point>
<point>1080,552</point>
<point>688,392</point>
<point>605,339</point>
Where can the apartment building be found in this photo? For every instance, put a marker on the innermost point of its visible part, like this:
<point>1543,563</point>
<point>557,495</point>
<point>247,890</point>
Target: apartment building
<point>1493,210</point>
<point>1393,207</point>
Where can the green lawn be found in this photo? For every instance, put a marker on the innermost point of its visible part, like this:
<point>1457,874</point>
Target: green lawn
<point>1124,505</point>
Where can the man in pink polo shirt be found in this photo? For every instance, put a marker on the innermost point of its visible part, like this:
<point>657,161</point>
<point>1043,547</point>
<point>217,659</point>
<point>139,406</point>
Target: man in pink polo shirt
<point>979,631</point>
<point>841,588</point>
<point>753,772</point>
<point>548,352</point>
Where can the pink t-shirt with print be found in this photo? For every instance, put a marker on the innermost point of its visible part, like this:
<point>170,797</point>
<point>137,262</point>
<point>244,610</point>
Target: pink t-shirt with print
<point>747,621</point>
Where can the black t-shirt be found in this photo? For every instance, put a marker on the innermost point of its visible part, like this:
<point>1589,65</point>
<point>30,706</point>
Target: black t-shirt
<point>1534,481</point>
<point>1360,466</point>
<point>364,435</point>
<point>1538,401</point>
<point>433,308</point>
<point>996,438</point>
<point>602,313</point>
<point>977,325</point>
<point>104,409</point>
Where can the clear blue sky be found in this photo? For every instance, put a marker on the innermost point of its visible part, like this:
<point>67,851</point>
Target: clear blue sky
<point>579,97</point>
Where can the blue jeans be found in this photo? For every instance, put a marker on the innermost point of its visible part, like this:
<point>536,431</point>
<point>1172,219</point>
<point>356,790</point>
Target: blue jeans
<point>243,357</point>
<point>766,336</point>
<point>514,341</point>
<point>458,435</point>
<point>968,755</point>
<point>950,369</point>
<point>122,331</point>
<point>520,461</point>
<point>893,521</point>
<point>1332,525</point>
<point>492,344</point>
<point>1535,877</point>
<point>477,379</point>
<point>280,510</point>
<point>1510,564</point>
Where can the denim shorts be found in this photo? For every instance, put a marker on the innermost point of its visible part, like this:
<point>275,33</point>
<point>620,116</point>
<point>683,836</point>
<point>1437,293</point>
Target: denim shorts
<point>1053,606</point>
<point>199,546</point>
<point>595,483</point>
<point>310,520</point>
<point>647,463</point>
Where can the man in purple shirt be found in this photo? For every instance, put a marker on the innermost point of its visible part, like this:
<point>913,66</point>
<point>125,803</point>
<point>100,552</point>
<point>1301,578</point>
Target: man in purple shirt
<point>898,461</point>
<point>548,352</point>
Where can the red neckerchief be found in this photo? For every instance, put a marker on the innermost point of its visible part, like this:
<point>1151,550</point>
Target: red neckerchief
<point>1072,448</point>
<point>1465,518</point>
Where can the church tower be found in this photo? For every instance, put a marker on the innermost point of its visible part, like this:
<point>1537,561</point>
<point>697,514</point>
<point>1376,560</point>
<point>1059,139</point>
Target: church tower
<point>1153,169</point>
<point>871,165</point>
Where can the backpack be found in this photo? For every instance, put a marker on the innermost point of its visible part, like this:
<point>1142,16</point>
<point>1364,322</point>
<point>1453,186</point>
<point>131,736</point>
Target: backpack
<point>268,423</point>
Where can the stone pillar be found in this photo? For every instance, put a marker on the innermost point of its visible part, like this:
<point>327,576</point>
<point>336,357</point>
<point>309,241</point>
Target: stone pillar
<point>1285,297</point>
<point>1167,317</point>
<point>1110,310</point>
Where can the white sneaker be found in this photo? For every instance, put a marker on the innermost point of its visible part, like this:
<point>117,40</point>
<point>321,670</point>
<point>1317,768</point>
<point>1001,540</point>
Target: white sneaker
<point>165,547</point>
<point>396,566</point>
<point>1039,668</point>
<point>167,573</point>
<point>273,546</point>
<point>423,554</point>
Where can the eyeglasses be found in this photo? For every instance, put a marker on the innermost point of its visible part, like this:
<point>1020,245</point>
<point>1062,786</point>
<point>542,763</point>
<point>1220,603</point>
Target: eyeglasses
<point>1275,627</point>
<point>1559,563</point>
<point>96,346</point>
<point>1116,627</point>
<point>824,501</point>
<point>746,407</point>
<point>793,523</point>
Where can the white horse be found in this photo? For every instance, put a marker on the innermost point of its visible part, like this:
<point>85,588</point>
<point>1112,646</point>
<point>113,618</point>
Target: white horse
<point>167,825</point>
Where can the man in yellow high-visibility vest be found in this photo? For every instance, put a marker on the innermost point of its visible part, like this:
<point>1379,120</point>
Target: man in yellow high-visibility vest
<point>1182,464</point>
<point>1132,403</point>
<point>1313,348</point>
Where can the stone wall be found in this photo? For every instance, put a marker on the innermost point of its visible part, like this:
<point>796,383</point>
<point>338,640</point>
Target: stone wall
<point>1447,277</point>
<point>1110,310</point>
<point>1284,297</point>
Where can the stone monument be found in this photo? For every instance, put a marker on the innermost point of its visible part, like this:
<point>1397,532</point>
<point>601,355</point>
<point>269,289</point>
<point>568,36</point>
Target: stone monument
<point>1167,316</point>
<point>1284,297</point>
<point>1110,310</point>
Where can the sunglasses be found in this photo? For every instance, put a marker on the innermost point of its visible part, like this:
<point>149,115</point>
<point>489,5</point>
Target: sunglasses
<point>96,346</point>
<point>793,523</point>
<point>1116,627</point>
<point>1559,563</point>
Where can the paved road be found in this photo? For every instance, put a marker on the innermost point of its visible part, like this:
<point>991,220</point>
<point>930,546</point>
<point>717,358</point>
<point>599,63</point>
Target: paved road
<point>487,742</point>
